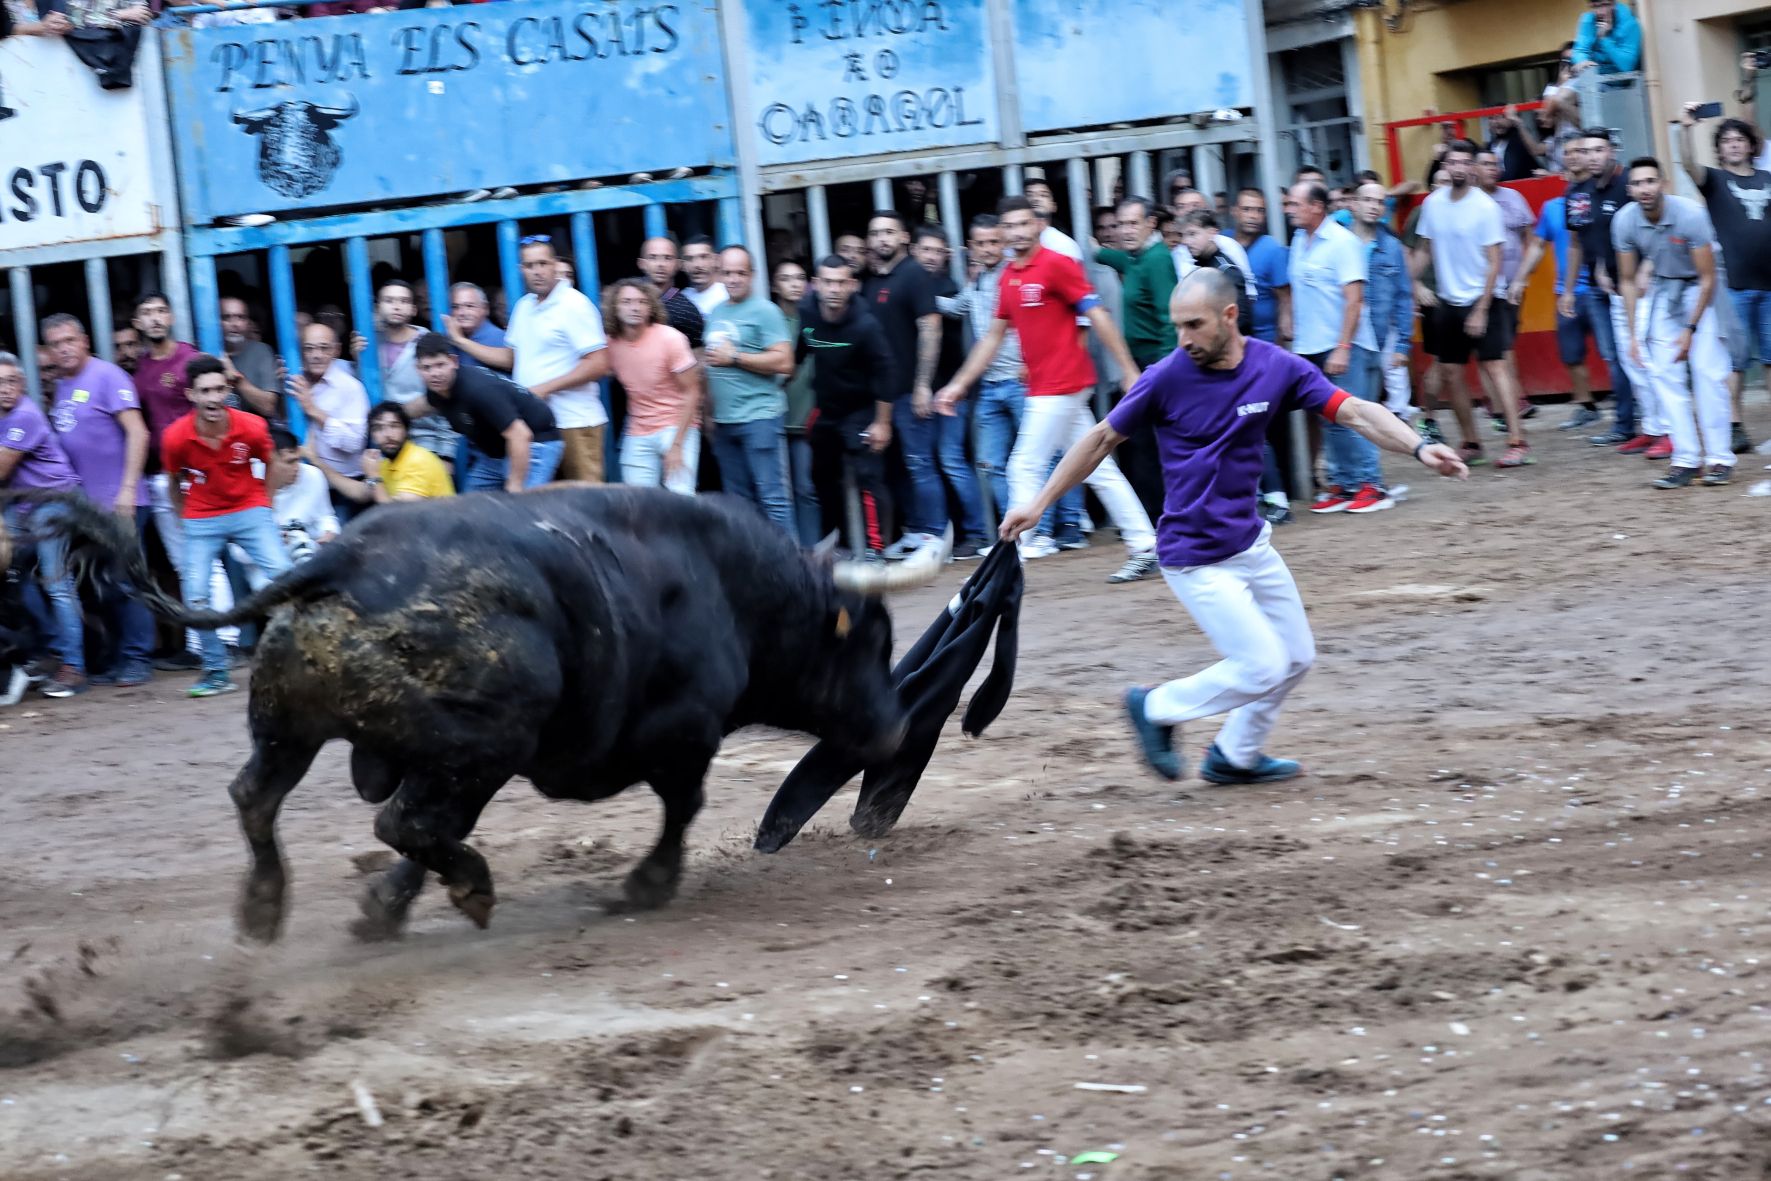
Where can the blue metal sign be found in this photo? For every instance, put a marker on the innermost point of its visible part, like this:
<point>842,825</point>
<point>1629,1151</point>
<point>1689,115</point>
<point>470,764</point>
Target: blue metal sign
<point>349,110</point>
<point>1080,63</point>
<point>830,79</point>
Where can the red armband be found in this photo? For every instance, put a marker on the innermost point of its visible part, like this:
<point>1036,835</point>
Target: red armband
<point>1333,408</point>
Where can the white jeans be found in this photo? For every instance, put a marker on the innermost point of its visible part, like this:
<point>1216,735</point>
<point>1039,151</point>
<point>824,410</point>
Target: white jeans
<point>1055,422</point>
<point>171,529</point>
<point>1650,418</point>
<point>1398,388</point>
<point>1701,433</point>
<point>1248,607</point>
<point>642,460</point>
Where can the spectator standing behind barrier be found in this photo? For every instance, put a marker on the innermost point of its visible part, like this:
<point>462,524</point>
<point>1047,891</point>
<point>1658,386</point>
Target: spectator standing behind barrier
<point>223,501</point>
<point>301,503</point>
<point>1608,39</point>
<point>1517,220</point>
<point>789,288</point>
<point>337,409</point>
<point>396,306</point>
<point>555,347</point>
<point>1572,331</point>
<point>1738,194</point>
<point>932,254</point>
<point>126,347</point>
<point>1386,324</point>
<point>1327,269</point>
<point>660,262</point>
<point>508,432</point>
<point>661,440</point>
<point>702,264</point>
<point>1681,333</point>
<point>854,385</point>
<point>852,248</point>
<point>1269,265</point>
<point>31,458</point>
<point>252,366</point>
<point>394,467</point>
<point>98,422</point>
<point>470,314</point>
<point>749,356</point>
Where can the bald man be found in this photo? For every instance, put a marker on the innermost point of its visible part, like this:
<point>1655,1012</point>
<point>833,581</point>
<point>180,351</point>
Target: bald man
<point>336,405</point>
<point>1209,404</point>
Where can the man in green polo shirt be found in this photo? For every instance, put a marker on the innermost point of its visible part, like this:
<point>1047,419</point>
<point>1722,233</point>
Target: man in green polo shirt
<point>1149,273</point>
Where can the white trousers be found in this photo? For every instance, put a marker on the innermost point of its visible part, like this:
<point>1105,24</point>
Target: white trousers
<point>642,460</point>
<point>1692,395</point>
<point>171,529</point>
<point>1248,607</point>
<point>1650,418</point>
<point>1398,388</point>
<point>1056,422</point>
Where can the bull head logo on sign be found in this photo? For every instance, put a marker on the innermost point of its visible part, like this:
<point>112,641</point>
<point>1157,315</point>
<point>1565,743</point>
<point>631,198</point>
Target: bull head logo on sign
<point>296,154</point>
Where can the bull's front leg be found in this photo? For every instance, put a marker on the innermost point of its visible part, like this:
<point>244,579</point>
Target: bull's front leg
<point>387,900</point>
<point>653,882</point>
<point>427,822</point>
<point>274,769</point>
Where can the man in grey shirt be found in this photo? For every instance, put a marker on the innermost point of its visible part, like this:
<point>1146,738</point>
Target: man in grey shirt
<point>252,367</point>
<point>1002,392</point>
<point>1687,359</point>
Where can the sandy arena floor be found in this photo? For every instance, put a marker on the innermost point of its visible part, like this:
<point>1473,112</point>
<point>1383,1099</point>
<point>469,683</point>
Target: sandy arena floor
<point>1511,925</point>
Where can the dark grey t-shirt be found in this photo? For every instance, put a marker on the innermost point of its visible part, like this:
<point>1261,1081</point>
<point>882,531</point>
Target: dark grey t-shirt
<point>1738,207</point>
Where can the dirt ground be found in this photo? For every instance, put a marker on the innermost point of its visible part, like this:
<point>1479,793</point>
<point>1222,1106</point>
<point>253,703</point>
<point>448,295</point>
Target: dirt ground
<point>1512,924</point>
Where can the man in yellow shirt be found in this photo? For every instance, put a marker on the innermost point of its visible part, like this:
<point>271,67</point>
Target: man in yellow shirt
<point>394,467</point>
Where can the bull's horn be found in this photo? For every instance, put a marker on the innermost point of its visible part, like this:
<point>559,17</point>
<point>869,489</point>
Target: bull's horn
<point>920,569</point>
<point>339,113</point>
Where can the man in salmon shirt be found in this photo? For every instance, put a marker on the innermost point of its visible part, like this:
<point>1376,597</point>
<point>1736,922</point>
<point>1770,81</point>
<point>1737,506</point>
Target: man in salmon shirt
<point>221,499</point>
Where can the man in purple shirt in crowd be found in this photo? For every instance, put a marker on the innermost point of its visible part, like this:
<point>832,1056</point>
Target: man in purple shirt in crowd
<point>30,458</point>
<point>98,422</point>
<point>1210,404</point>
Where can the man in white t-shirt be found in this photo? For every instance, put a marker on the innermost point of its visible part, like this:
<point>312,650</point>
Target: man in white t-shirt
<point>1462,235</point>
<point>555,347</point>
<point>301,502</point>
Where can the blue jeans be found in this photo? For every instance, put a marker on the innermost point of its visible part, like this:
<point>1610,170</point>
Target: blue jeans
<point>1595,307</point>
<point>957,471</point>
<point>1753,310</point>
<point>485,474</point>
<point>805,493</point>
<point>753,464</point>
<point>927,510</point>
<point>1349,457</point>
<point>255,531</point>
<point>996,420</point>
<point>64,622</point>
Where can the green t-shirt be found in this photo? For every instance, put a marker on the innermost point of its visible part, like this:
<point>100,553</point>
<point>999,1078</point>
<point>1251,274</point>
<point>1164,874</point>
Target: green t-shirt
<point>738,394</point>
<point>800,398</point>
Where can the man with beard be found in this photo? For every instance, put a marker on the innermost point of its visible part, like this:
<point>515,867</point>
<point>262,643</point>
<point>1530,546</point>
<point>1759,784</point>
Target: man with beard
<point>396,306</point>
<point>251,364</point>
<point>933,254</point>
<point>1209,402</point>
<point>660,262</point>
<point>508,432</point>
<point>126,346</point>
<point>702,263</point>
<point>394,467</point>
<point>159,375</point>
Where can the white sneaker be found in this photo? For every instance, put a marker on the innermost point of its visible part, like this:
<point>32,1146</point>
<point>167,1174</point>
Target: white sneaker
<point>1040,547</point>
<point>16,686</point>
<point>907,545</point>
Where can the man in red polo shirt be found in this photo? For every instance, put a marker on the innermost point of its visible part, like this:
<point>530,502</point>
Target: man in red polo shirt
<point>1042,294</point>
<point>221,499</point>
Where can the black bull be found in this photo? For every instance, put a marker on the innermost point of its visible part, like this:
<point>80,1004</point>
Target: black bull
<point>586,638</point>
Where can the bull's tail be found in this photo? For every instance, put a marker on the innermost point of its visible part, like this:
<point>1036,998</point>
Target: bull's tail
<point>100,542</point>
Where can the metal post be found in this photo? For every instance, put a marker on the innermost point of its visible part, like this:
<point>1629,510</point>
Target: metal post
<point>818,222</point>
<point>729,218</point>
<point>24,315</point>
<point>949,197</point>
<point>1208,171</point>
<point>735,39</point>
<point>1355,100</point>
<point>1138,181</point>
<point>206,296</point>
<point>657,220</point>
<point>1080,227</point>
<point>510,263</point>
<point>436,276</point>
<point>356,270</point>
<point>590,282</point>
<point>1014,180</point>
<point>280,267</point>
<point>150,84</point>
<point>882,192</point>
<point>98,302</point>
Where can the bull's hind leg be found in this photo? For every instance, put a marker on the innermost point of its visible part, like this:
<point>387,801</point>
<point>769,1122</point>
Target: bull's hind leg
<point>426,822</point>
<point>275,767</point>
<point>653,882</point>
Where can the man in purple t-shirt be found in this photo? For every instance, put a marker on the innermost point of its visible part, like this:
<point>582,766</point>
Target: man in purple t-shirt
<point>30,458</point>
<point>98,422</point>
<point>1210,404</point>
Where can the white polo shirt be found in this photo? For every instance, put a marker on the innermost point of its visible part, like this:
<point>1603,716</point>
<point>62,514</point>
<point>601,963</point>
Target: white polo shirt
<point>1322,264</point>
<point>549,338</point>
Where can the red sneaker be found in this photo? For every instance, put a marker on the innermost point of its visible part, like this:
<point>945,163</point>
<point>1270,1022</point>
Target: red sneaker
<point>1662,449</point>
<point>1332,500</point>
<point>1370,500</point>
<point>1636,445</point>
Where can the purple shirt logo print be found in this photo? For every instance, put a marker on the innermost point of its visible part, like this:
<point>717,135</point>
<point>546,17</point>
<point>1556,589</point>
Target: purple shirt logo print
<point>297,155</point>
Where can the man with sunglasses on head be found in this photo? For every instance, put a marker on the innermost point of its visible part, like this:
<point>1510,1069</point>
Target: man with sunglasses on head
<point>555,347</point>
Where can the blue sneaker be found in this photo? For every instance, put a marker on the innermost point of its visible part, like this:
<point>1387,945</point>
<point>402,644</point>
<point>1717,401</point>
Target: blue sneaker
<point>1217,769</point>
<point>211,684</point>
<point>1156,742</point>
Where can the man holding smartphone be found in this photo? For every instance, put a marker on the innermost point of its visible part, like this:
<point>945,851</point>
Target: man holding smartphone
<point>1738,194</point>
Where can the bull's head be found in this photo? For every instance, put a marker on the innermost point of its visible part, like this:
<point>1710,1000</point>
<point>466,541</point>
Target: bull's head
<point>326,118</point>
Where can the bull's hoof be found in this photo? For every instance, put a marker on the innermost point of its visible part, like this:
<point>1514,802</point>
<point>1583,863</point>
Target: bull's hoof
<point>384,910</point>
<point>775,839</point>
<point>650,886</point>
<point>475,904</point>
<point>872,823</point>
<point>260,916</point>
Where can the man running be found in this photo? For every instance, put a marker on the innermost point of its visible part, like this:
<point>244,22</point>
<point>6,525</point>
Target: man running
<point>1210,404</point>
<point>1043,292</point>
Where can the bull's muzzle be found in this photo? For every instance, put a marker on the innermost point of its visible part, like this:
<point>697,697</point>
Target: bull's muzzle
<point>920,569</point>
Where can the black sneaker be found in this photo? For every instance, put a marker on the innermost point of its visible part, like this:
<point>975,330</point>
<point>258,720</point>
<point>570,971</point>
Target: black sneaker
<point>1610,439</point>
<point>1429,430</point>
<point>1157,743</point>
<point>969,548</point>
<point>1136,567</point>
<point>1742,441</point>
<point>1583,417</point>
<point>1275,512</point>
<point>1719,474</point>
<point>178,662</point>
<point>1677,477</point>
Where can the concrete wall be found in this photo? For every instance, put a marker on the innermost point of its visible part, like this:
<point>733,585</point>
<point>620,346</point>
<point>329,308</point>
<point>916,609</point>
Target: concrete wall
<point>1405,72</point>
<point>1692,50</point>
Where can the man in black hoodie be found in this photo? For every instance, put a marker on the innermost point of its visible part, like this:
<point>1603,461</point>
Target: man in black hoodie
<point>853,387</point>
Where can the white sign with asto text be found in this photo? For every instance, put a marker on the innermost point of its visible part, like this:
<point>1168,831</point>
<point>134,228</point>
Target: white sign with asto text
<point>73,158</point>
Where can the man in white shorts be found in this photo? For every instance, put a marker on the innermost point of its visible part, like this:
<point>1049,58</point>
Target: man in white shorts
<point>1210,403</point>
